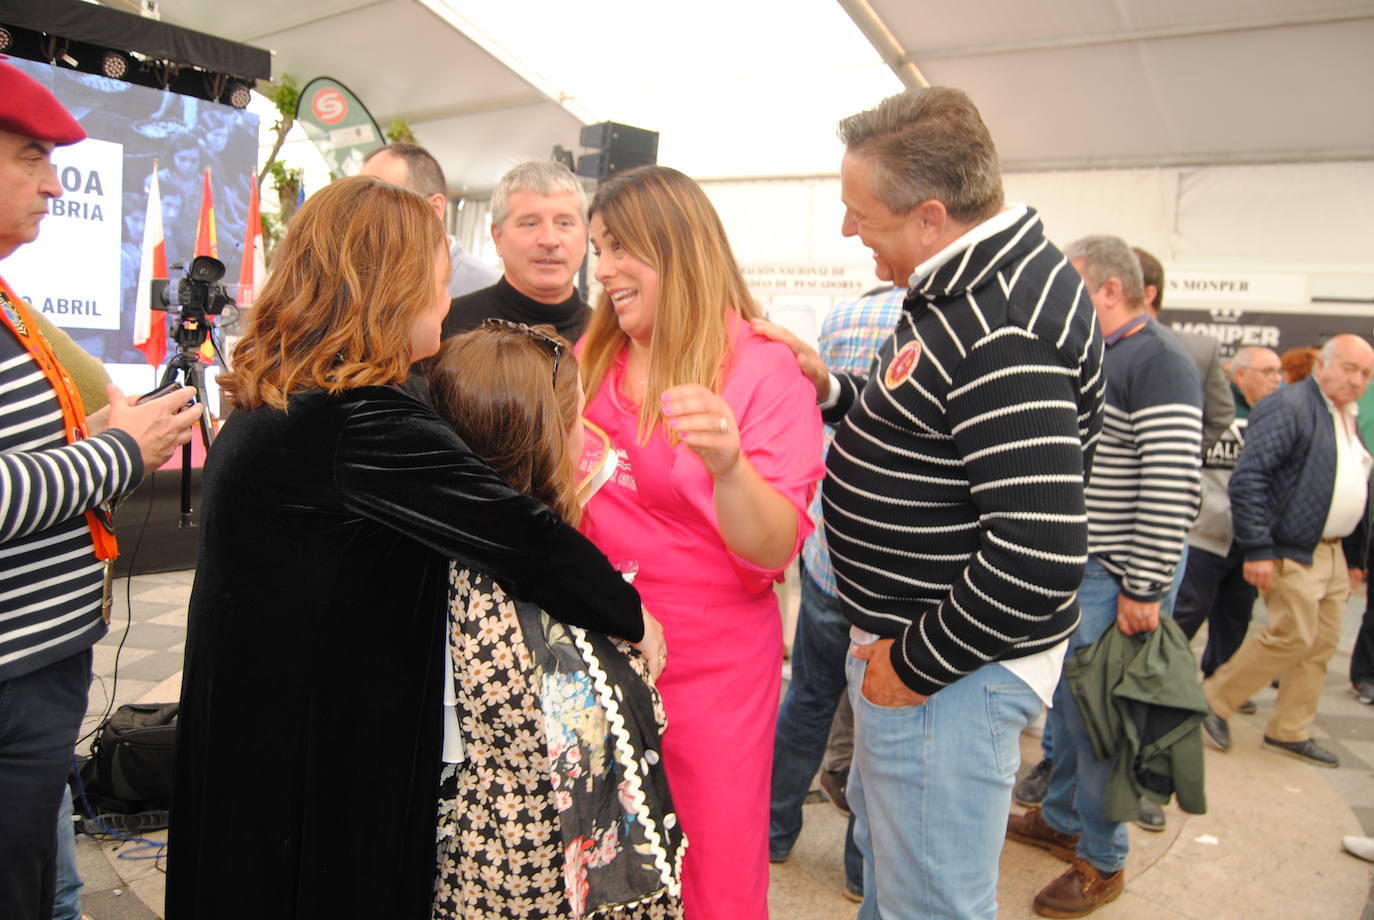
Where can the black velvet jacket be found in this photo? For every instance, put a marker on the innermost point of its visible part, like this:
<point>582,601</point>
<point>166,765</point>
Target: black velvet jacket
<point>308,748</point>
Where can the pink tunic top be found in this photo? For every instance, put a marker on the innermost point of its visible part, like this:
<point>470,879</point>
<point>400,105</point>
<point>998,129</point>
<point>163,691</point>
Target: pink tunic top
<point>658,510</point>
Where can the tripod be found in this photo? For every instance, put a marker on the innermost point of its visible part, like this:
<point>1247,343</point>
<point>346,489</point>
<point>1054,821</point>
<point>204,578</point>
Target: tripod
<point>190,334</point>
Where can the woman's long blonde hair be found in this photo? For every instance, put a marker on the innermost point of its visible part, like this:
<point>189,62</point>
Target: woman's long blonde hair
<point>355,271</point>
<point>497,387</point>
<point>665,220</point>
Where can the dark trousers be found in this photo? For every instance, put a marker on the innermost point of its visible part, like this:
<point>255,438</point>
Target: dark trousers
<point>1362,655</point>
<point>819,650</point>
<point>40,715</point>
<point>1214,589</point>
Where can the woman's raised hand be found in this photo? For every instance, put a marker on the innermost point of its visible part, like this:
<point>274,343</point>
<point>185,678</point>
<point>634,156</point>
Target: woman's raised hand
<point>706,424</point>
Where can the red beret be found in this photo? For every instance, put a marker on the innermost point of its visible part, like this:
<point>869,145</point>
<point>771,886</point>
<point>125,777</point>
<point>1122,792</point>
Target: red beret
<point>29,109</point>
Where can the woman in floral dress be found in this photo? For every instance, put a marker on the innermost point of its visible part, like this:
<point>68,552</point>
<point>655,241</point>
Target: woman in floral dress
<point>553,802</point>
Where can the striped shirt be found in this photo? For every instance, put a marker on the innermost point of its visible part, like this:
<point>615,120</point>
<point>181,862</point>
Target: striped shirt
<point>50,579</point>
<point>849,340</point>
<point>954,490</point>
<point>1145,485</point>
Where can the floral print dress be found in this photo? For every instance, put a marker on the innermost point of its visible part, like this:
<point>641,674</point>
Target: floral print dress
<point>561,808</point>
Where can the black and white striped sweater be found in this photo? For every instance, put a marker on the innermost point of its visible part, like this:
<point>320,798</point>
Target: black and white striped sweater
<point>1145,486</point>
<point>50,579</point>
<point>953,497</point>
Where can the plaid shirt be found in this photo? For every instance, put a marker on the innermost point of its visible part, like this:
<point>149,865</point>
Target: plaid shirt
<point>849,340</point>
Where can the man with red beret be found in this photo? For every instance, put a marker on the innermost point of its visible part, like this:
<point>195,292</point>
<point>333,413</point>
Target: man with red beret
<point>59,472</point>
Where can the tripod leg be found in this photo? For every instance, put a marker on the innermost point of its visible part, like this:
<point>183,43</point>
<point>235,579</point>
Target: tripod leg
<point>195,376</point>
<point>185,520</point>
<point>179,365</point>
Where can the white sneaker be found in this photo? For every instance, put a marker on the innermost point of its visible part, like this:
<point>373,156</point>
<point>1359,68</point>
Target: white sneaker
<point>1362,847</point>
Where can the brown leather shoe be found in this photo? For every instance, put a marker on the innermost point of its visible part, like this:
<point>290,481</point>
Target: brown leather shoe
<point>1031,828</point>
<point>1079,892</point>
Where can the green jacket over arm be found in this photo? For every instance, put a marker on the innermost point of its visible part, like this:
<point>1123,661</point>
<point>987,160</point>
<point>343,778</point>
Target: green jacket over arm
<point>1141,702</point>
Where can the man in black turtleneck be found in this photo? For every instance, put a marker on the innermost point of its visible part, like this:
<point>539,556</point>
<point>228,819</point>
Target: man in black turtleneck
<point>539,225</point>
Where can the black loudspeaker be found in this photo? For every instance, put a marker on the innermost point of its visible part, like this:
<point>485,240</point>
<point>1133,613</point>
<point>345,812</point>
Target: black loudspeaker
<point>618,148</point>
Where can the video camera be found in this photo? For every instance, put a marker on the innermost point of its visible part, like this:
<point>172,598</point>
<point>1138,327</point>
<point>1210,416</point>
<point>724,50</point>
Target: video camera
<point>197,291</point>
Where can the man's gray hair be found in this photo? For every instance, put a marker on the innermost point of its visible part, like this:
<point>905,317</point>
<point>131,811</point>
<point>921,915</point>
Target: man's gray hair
<point>426,175</point>
<point>542,177</point>
<point>1105,257</point>
<point>927,144</point>
<point>1245,356</point>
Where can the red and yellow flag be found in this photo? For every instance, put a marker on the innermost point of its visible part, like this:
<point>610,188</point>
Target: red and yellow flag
<point>254,269</point>
<point>206,242</point>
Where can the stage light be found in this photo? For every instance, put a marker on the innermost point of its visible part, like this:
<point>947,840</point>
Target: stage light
<point>6,39</point>
<point>239,95</point>
<point>114,65</point>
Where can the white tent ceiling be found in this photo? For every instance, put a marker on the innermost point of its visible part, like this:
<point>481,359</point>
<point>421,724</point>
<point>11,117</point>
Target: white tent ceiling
<point>754,87</point>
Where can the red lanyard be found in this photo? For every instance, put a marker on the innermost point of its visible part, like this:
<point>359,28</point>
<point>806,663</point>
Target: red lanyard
<point>16,316</point>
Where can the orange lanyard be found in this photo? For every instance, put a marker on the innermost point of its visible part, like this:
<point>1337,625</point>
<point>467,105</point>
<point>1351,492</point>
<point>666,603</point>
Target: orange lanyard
<point>16,316</point>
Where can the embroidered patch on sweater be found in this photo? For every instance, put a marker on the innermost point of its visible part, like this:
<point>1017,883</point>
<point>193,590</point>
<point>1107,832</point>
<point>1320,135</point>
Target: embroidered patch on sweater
<point>902,366</point>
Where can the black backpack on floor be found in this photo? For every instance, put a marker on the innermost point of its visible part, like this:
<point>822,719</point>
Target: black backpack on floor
<point>131,763</point>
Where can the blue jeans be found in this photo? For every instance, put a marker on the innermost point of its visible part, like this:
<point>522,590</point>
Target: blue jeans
<point>819,650</point>
<point>66,904</point>
<point>1166,609</point>
<point>930,786</point>
<point>1077,797</point>
<point>1170,598</point>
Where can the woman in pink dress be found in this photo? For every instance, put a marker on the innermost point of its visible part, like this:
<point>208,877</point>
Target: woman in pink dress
<point>719,446</point>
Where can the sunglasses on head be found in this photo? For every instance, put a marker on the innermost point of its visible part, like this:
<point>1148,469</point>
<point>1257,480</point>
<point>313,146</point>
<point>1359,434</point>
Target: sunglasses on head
<point>555,346</point>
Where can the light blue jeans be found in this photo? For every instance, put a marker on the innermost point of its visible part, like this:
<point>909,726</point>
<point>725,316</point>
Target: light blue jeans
<point>66,903</point>
<point>1077,797</point>
<point>930,787</point>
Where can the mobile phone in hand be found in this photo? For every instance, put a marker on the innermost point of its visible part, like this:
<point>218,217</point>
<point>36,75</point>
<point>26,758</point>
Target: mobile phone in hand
<point>158,393</point>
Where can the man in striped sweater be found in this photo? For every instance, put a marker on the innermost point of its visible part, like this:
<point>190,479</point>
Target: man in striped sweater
<point>58,473</point>
<point>953,498</point>
<point>1142,496</point>
<point>849,339</point>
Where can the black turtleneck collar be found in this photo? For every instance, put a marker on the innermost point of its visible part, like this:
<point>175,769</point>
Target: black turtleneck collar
<point>503,301</point>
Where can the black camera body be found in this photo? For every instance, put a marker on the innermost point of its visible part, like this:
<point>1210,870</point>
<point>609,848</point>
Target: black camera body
<point>196,296</point>
<point>197,291</point>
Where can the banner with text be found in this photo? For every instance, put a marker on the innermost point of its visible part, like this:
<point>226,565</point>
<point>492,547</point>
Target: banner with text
<point>339,124</point>
<point>1209,287</point>
<point>1271,327</point>
<point>77,285</point>
<point>775,279</point>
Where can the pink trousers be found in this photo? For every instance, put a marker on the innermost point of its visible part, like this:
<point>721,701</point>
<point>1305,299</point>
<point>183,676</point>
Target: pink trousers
<point>720,689</point>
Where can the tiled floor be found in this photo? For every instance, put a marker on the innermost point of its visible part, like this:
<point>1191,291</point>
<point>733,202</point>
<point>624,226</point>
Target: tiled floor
<point>1269,846</point>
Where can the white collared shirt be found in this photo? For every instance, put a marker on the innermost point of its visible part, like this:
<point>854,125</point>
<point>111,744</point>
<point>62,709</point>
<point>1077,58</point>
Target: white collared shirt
<point>1353,465</point>
<point>1040,671</point>
<point>988,228</point>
